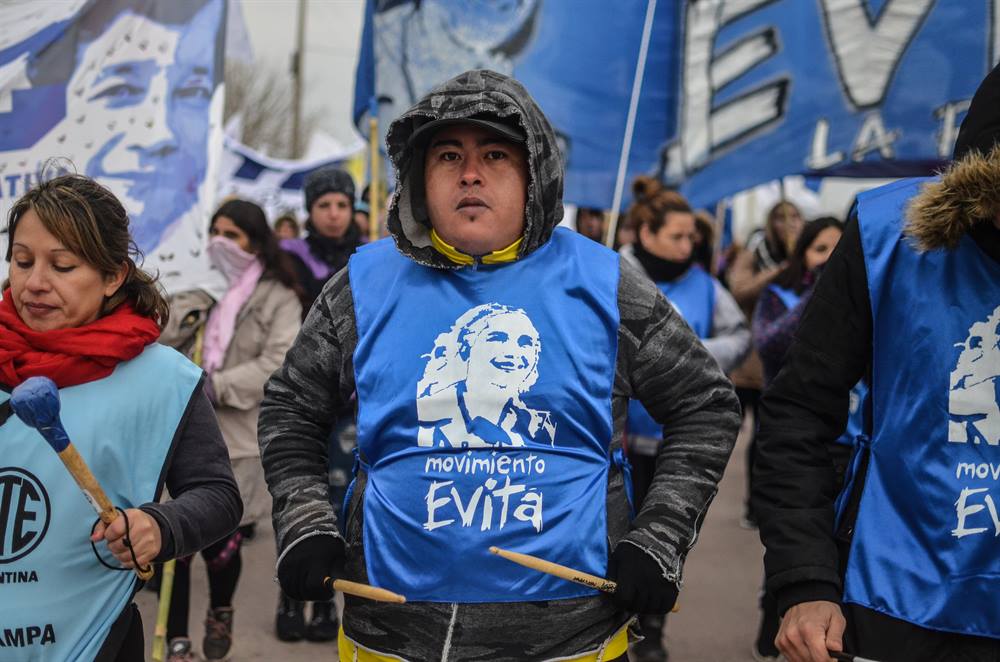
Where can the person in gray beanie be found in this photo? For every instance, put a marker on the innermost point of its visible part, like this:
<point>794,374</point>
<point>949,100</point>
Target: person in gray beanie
<point>332,236</point>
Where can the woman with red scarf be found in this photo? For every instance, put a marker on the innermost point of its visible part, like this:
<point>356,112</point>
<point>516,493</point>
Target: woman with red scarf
<point>80,312</point>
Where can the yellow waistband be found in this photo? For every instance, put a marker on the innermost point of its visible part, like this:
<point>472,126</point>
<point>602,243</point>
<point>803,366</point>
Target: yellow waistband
<point>351,652</point>
<point>508,254</point>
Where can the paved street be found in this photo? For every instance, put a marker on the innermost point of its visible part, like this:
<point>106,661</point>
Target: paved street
<point>716,623</point>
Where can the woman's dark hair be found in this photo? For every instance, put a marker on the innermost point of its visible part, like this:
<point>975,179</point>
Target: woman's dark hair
<point>251,219</point>
<point>776,245</point>
<point>652,202</point>
<point>704,251</point>
<point>791,277</point>
<point>91,223</point>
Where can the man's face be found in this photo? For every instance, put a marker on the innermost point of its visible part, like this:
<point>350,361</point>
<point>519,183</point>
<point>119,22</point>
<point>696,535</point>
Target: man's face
<point>476,184</point>
<point>590,224</point>
<point>140,97</point>
<point>504,354</point>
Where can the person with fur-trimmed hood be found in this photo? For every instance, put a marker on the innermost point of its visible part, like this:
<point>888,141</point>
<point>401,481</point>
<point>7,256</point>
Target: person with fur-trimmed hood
<point>903,564</point>
<point>493,356</point>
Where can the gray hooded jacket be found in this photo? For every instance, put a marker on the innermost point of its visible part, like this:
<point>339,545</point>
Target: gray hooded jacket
<point>660,361</point>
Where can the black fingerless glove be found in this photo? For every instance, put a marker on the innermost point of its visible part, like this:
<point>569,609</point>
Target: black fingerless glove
<point>642,588</point>
<point>305,566</point>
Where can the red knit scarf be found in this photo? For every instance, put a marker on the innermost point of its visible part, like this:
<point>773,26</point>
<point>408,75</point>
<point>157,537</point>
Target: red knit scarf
<point>70,356</point>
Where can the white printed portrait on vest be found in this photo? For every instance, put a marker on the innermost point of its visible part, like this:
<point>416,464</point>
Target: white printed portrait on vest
<point>973,406</point>
<point>470,392</point>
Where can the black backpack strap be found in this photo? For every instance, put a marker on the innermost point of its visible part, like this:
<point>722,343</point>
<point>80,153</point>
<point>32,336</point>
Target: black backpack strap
<point>6,411</point>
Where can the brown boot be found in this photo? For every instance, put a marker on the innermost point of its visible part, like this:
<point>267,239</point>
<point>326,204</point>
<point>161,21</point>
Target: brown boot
<point>218,633</point>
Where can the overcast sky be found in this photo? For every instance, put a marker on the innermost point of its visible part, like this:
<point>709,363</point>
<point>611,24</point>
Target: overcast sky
<point>333,32</point>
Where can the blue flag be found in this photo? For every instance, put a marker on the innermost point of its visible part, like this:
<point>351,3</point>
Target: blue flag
<point>733,93</point>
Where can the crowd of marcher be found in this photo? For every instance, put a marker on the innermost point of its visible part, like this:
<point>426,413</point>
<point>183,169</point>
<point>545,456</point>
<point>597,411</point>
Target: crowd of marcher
<point>485,378</point>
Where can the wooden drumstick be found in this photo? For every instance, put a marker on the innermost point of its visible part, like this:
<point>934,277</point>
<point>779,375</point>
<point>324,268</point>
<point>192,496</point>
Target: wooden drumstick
<point>561,571</point>
<point>364,591</point>
<point>36,403</point>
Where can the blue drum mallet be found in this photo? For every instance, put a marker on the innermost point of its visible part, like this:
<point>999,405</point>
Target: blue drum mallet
<point>36,403</point>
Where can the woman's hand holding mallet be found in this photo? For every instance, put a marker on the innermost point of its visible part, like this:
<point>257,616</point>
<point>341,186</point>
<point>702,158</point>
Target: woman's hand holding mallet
<point>36,403</point>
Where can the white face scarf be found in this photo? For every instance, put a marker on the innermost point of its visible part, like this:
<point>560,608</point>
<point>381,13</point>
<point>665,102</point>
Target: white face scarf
<point>227,256</point>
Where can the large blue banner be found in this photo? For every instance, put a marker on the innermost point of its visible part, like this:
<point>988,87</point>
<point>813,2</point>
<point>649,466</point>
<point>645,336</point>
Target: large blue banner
<point>734,92</point>
<point>128,92</point>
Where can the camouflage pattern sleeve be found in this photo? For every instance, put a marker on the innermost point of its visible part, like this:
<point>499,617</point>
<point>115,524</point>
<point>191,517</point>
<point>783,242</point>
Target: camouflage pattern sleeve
<point>662,363</point>
<point>300,404</point>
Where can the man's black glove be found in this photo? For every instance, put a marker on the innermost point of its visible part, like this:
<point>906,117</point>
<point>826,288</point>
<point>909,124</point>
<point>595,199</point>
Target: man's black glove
<point>307,564</point>
<point>642,588</point>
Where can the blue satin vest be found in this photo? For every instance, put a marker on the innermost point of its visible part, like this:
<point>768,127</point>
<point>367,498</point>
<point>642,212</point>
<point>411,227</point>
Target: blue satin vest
<point>925,548</point>
<point>484,418</point>
<point>58,602</point>
<point>855,411</point>
<point>693,296</point>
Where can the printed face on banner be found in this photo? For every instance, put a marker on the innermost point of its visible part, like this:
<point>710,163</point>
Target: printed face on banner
<point>139,101</point>
<point>470,395</point>
<point>123,92</point>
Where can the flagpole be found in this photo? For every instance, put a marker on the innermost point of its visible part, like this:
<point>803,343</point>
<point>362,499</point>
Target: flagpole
<point>640,68</point>
<point>373,162</point>
<point>297,66</point>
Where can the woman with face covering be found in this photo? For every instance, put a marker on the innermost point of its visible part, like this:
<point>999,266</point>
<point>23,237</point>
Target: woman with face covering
<point>333,235</point>
<point>664,251</point>
<point>244,340</point>
<point>82,313</point>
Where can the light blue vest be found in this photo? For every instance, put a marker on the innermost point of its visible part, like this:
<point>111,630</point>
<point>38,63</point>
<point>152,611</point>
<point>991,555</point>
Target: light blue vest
<point>484,418</point>
<point>855,406</point>
<point>926,547</point>
<point>693,296</point>
<point>58,602</point>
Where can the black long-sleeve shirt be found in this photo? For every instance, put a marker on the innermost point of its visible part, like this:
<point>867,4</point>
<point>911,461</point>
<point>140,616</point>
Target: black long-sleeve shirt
<point>803,412</point>
<point>205,502</point>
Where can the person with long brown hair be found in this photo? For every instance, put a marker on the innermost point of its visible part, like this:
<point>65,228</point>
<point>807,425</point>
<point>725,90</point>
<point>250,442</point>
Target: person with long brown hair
<point>245,337</point>
<point>80,311</point>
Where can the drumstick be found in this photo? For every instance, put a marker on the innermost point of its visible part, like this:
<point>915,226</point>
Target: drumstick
<point>36,403</point>
<point>364,591</point>
<point>561,571</point>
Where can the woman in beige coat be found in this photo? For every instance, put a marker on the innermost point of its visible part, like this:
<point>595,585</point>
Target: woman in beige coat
<point>243,340</point>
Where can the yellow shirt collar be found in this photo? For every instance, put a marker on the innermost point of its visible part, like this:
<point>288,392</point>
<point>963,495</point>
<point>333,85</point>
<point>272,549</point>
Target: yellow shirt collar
<point>508,254</point>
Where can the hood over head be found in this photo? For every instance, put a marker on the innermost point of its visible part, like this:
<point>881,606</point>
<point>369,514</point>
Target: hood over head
<point>487,98</point>
<point>968,192</point>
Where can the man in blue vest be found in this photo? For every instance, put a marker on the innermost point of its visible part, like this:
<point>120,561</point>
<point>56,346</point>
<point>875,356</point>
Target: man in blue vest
<point>903,565</point>
<point>493,356</point>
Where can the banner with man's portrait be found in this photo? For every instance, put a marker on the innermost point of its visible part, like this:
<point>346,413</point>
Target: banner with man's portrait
<point>128,92</point>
